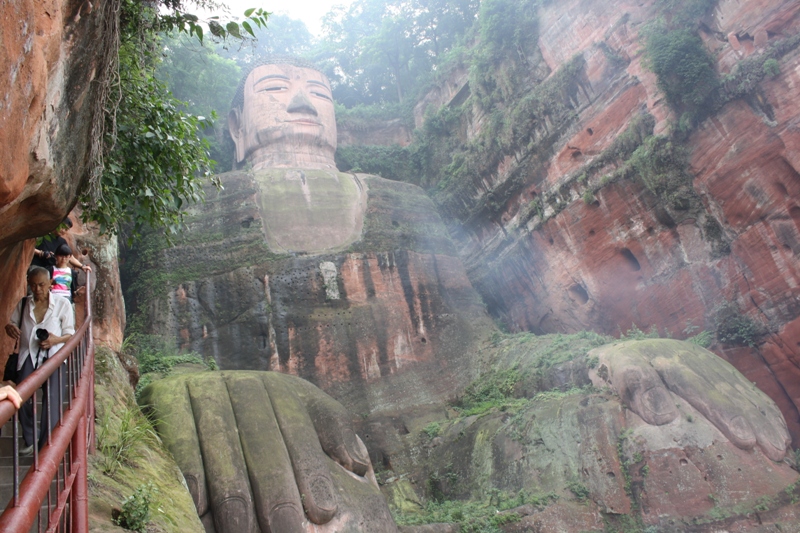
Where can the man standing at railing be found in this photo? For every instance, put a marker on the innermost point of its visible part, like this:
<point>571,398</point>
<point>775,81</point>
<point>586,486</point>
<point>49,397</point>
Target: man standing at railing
<point>46,322</point>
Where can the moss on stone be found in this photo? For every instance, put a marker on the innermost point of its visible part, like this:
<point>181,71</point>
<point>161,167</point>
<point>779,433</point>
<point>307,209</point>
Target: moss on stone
<point>174,510</point>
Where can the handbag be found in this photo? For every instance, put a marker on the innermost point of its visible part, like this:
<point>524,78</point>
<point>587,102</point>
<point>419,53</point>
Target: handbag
<point>10,372</point>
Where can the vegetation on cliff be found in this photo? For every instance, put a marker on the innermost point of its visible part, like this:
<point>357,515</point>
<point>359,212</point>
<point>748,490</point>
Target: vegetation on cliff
<point>154,159</point>
<point>131,465</point>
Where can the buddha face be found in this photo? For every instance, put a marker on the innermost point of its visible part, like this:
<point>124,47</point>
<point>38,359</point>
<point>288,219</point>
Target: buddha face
<point>285,108</point>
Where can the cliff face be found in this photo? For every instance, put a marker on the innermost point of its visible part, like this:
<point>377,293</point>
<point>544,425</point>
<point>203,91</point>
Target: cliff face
<point>54,53</point>
<point>607,254</point>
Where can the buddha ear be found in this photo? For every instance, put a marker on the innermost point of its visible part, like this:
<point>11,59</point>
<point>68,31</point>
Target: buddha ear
<point>235,126</point>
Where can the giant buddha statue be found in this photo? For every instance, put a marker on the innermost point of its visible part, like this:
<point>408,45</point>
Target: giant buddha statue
<point>350,281</point>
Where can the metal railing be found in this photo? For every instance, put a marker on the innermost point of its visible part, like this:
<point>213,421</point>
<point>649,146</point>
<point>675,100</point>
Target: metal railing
<point>54,491</point>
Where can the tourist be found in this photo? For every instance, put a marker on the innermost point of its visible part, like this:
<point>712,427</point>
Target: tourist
<point>8,392</point>
<point>47,323</point>
<point>63,276</point>
<point>44,254</point>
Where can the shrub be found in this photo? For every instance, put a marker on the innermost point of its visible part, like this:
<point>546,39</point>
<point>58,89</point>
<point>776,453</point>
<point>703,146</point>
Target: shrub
<point>733,327</point>
<point>432,430</point>
<point>771,68</point>
<point>578,489</point>
<point>683,67</point>
<point>702,339</point>
<point>663,167</point>
<point>135,512</point>
<point>121,437</point>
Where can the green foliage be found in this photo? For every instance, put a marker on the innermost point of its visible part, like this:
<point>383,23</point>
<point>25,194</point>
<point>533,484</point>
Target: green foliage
<point>135,514</point>
<point>391,162</point>
<point>634,333</point>
<point>702,339</point>
<point>578,489</point>
<point>281,36</point>
<point>683,66</point>
<point>205,82</point>
<point>121,436</point>
<point>745,78</point>
<point>476,517</point>
<point>157,355</point>
<point>662,165</point>
<point>432,430</point>
<point>385,51</point>
<point>157,162</point>
<point>154,157</point>
<point>771,67</point>
<point>494,389</point>
<point>733,327</point>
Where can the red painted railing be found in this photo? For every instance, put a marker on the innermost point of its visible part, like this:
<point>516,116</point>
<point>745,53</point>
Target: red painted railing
<point>53,495</point>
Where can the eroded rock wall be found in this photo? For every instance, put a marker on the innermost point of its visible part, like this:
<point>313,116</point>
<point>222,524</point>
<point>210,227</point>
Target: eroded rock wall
<point>55,53</point>
<point>617,256</point>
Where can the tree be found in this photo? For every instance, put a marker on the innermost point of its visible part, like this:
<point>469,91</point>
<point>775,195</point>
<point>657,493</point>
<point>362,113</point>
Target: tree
<point>282,36</point>
<point>155,160</point>
<point>198,76</point>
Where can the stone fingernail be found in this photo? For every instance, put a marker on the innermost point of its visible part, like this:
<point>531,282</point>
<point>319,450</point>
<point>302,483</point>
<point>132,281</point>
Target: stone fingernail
<point>358,453</point>
<point>232,515</point>
<point>323,503</point>
<point>740,429</point>
<point>659,406</point>
<point>286,519</point>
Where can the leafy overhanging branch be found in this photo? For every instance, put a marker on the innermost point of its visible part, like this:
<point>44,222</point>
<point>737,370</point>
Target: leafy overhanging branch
<point>149,157</point>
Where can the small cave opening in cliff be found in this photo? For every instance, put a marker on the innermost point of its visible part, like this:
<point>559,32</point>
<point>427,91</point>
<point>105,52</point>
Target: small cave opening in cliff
<point>590,131</point>
<point>579,293</point>
<point>794,212</point>
<point>630,259</point>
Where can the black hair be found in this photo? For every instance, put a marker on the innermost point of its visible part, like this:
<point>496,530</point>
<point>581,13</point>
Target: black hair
<point>64,250</point>
<point>37,270</point>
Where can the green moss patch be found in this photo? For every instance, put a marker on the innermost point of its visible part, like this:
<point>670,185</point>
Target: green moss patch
<point>129,456</point>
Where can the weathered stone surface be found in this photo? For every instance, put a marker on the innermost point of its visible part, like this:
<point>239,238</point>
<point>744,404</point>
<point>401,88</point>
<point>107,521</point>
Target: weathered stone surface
<point>269,451</point>
<point>390,314</point>
<point>623,258</point>
<point>54,53</point>
<point>582,444</point>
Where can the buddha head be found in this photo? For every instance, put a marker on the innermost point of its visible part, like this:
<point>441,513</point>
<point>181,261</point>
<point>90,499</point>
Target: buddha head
<point>282,116</point>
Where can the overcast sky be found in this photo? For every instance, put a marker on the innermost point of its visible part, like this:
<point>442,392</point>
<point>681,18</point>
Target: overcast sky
<point>309,11</point>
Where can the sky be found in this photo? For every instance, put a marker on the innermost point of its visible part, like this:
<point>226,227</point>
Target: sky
<point>309,11</point>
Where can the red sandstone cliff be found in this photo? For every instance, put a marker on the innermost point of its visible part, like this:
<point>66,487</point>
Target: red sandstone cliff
<point>623,259</point>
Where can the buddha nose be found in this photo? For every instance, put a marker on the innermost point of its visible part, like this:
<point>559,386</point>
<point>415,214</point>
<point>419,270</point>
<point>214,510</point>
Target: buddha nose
<point>301,104</point>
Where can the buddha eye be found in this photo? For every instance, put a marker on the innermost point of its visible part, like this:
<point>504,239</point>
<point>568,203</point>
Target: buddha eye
<point>275,88</point>
<point>322,95</point>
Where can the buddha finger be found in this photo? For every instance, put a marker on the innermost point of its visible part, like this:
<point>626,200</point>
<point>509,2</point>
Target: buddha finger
<point>310,464</point>
<point>275,493</point>
<point>226,471</point>
<point>170,407</point>
<point>334,428</point>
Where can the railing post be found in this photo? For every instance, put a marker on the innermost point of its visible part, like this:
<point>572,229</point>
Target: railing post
<point>80,492</point>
